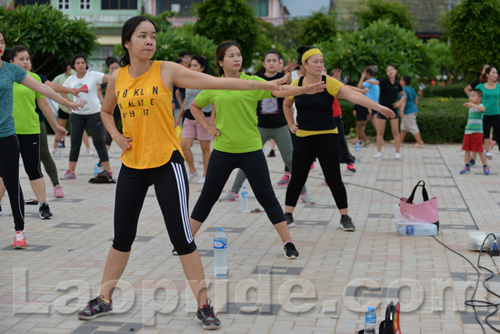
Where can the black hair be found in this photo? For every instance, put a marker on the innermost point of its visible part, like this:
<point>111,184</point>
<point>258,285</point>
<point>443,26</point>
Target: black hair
<point>262,70</point>
<point>111,60</point>
<point>220,52</point>
<point>483,77</point>
<point>75,57</point>
<point>127,32</point>
<point>178,60</point>
<point>202,61</point>
<point>184,53</point>
<point>12,52</point>
<point>478,92</point>
<point>370,70</point>
<point>407,80</point>
<point>301,50</point>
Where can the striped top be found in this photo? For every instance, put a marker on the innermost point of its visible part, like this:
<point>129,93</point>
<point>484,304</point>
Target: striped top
<point>475,121</point>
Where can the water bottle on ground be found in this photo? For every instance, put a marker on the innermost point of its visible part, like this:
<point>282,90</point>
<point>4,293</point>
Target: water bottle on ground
<point>357,152</point>
<point>220,254</point>
<point>370,321</point>
<point>96,169</point>
<point>418,230</point>
<point>244,200</point>
<point>60,149</point>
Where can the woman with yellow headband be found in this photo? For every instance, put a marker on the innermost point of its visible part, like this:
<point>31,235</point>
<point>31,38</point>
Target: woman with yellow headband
<point>238,142</point>
<point>317,134</point>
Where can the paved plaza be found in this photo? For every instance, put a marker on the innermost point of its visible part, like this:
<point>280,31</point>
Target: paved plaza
<point>326,290</point>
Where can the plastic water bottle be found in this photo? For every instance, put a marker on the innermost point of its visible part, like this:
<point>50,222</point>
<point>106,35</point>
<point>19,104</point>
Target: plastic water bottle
<point>418,230</point>
<point>96,169</point>
<point>370,321</point>
<point>220,254</point>
<point>357,152</point>
<point>60,149</point>
<point>244,200</point>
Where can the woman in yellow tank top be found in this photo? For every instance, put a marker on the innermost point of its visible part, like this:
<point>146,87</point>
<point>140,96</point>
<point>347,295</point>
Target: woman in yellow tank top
<point>152,155</point>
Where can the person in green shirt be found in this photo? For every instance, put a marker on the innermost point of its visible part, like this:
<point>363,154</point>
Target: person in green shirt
<point>491,99</point>
<point>238,142</point>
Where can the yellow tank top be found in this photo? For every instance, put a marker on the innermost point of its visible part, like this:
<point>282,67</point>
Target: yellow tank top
<point>146,112</point>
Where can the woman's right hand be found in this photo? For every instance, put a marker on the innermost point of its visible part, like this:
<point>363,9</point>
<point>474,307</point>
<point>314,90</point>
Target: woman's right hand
<point>212,130</point>
<point>122,141</point>
<point>72,105</point>
<point>294,128</point>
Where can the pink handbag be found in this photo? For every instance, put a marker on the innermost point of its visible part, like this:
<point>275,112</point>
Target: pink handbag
<point>427,211</point>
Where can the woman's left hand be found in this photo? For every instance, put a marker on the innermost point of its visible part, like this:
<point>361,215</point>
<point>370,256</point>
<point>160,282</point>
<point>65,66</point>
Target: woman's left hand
<point>387,112</point>
<point>60,132</point>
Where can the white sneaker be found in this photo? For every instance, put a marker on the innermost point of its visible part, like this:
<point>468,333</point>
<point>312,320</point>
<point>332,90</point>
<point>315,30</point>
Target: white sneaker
<point>90,152</point>
<point>398,156</point>
<point>201,180</point>
<point>228,196</point>
<point>193,176</point>
<point>378,155</point>
<point>307,198</point>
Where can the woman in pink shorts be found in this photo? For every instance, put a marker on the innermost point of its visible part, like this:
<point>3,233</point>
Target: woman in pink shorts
<point>191,129</point>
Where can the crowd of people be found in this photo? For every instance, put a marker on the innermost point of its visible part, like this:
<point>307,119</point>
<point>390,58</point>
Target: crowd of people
<point>231,116</point>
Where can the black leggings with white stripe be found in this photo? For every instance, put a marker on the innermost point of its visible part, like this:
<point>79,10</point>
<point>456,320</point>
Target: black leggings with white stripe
<point>172,193</point>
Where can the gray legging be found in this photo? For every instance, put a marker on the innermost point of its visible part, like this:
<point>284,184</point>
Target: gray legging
<point>46,158</point>
<point>283,140</point>
<point>78,124</point>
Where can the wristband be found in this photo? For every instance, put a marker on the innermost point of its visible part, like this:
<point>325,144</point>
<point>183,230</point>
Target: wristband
<point>64,102</point>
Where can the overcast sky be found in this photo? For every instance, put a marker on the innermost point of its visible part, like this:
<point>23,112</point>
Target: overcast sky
<point>305,7</point>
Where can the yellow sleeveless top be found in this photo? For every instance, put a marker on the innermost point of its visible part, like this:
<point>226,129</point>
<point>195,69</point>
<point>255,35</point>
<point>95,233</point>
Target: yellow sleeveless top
<point>146,112</point>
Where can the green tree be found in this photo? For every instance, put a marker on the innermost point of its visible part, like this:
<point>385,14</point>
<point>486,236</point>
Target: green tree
<point>394,12</point>
<point>381,44</point>
<point>473,31</point>
<point>220,20</point>
<point>318,27</point>
<point>49,35</point>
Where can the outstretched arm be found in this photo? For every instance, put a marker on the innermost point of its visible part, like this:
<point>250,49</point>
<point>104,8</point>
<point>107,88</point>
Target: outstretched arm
<point>358,98</point>
<point>48,92</point>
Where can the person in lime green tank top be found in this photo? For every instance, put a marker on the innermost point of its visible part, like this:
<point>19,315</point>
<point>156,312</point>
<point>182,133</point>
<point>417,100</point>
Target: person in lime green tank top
<point>238,142</point>
<point>27,126</point>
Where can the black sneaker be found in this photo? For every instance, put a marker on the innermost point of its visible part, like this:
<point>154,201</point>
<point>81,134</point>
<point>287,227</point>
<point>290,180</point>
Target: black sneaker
<point>346,223</point>
<point>1,212</point>
<point>290,251</point>
<point>289,220</point>
<point>207,317</point>
<point>271,154</point>
<point>174,252</point>
<point>45,211</point>
<point>96,308</point>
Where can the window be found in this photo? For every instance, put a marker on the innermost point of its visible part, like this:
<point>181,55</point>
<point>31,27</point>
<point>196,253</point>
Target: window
<point>118,4</point>
<point>183,7</point>
<point>84,4</point>
<point>63,5</point>
<point>260,7</point>
<point>31,2</point>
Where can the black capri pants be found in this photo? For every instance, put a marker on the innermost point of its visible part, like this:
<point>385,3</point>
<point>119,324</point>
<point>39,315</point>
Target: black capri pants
<point>78,124</point>
<point>172,193</point>
<point>29,145</point>
<point>254,165</point>
<point>9,169</point>
<point>488,123</point>
<point>326,148</point>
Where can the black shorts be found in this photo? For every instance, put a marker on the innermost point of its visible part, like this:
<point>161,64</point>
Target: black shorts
<point>379,115</point>
<point>62,114</point>
<point>361,112</point>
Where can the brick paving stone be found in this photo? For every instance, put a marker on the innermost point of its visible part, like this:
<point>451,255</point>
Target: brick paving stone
<point>66,255</point>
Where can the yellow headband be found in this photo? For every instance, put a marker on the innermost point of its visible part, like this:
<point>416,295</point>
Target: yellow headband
<point>310,53</point>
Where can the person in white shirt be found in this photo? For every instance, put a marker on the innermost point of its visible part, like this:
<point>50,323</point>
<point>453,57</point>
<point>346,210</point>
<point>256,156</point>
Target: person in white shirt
<point>89,114</point>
